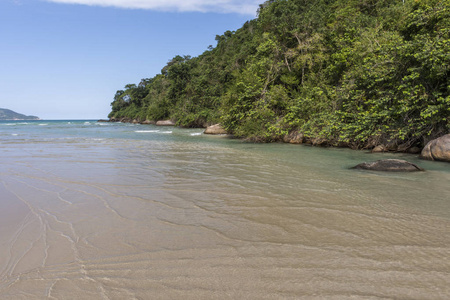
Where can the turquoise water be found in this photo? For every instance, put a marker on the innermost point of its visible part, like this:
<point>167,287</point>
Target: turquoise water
<point>120,211</point>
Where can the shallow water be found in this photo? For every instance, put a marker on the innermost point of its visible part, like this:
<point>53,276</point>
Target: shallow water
<point>119,211</point>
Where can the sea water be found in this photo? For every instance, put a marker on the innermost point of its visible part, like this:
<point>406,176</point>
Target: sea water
<point>94,210</point>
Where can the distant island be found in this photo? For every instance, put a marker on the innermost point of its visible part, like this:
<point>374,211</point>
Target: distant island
<point>7,114</point>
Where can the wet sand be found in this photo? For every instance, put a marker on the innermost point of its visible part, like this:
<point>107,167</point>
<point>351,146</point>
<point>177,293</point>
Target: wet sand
<point>179,220</point>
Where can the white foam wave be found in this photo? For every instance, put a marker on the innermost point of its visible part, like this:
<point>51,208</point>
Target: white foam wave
<point>195,134</point>
<point>146,131</point>
<point>13,124</point>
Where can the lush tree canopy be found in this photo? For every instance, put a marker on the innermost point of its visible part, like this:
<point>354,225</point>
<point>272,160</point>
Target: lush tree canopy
<point>356,73</point>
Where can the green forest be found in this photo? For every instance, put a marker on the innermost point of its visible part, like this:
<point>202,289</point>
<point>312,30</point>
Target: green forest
<point>351,73</point>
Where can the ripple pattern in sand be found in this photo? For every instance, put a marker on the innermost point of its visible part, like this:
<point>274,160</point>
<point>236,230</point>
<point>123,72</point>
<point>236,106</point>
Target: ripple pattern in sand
<point>180,220</point>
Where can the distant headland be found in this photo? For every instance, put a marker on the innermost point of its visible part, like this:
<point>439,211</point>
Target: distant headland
<point>7,114</point>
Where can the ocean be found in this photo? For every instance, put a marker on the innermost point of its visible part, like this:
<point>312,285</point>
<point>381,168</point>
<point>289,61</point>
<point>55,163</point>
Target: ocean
<point>94,210</point>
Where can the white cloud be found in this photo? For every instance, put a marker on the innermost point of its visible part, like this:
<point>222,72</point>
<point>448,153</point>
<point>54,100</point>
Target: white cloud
<point>221,6</point>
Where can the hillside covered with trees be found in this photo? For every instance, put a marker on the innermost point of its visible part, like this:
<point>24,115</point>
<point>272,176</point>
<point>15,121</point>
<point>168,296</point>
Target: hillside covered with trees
<point>355,73</point>
<point>7,114</point>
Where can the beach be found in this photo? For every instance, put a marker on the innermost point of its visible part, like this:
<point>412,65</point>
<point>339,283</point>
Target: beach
<point>129,211</point>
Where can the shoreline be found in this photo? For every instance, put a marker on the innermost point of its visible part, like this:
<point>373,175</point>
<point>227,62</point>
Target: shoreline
<point>437,149</point>
<point>294,137</point>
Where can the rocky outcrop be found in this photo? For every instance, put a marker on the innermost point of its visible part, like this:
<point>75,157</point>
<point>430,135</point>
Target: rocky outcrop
<point>148,122</point>
<point>404,148</point>
<point>165,123</point>
<point>438,149</point>
<point>215,129</point>
<point>389,165</point>
<point>320,142</point>
<point>294,137</point>
<point>121,120</point>
<point>379,148</point>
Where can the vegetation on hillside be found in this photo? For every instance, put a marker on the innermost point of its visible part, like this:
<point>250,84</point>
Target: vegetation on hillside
<point>342,72</point>
<point>7,114</point>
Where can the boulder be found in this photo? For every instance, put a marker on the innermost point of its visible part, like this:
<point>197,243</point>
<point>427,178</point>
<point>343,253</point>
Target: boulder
<point>379,148</point>
<point>165,123</point>
<point>148,122</point>
<point>392,146</point>
<point>319,142</point>
<point>414,150</point>
<point>125,120</point>
<point>438,149</point>
<point>389,165</point>
<point>215,129</point>
<point>403,147</point>
<point>294,137</point>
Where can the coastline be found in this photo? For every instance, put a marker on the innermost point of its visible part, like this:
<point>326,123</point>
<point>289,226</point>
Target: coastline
<point>297,138</point>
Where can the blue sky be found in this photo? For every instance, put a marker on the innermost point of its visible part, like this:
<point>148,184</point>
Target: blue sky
<point>65,59</point>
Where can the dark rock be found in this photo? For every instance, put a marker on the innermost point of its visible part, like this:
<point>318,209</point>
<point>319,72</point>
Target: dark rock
<point>104,121</point>
<point>392,146</point>
<point>438,149</point>
<point>389,165</point>
<point>414,150</point>
<point>341,144</point>
<point>319,142</point>
<point>403,147</point>
<point>215,129</point>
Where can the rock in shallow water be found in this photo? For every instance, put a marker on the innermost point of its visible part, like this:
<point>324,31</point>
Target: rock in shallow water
<point>379,148</point>
<point>215,129</point>
<point>389,165</point>
<point>294,137</point>
<point>148,122</point>
<point>438,149</point>
<point>165,123</point>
